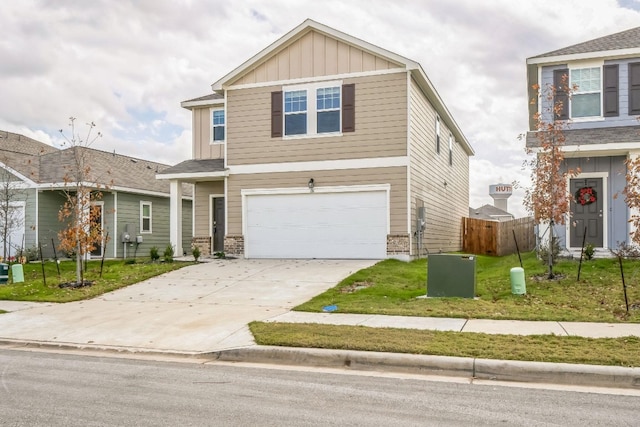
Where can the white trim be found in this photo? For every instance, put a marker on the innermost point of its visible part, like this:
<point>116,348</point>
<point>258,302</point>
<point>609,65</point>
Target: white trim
<point>226,208</point>
<point>605,207</point>
<point>26,181</point>
<point>62,186</point>
<point>320,165</point>
<point>581,65</point>
<point>311,90</point>
<point>37,240</point>
<point>410,195</point>
<point>141,218</point>
<point>617,53</point>
<point>318,190</point>
<point>192,175</point>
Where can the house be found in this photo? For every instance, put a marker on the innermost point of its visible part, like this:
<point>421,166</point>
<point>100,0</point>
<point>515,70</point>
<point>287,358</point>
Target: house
<point>324,146</point>
<point>133,202</point>
<point>490,213</point>
<point>602,131</point>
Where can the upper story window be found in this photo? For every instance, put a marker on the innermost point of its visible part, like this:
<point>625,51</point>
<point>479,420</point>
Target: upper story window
<point>326,108</point>
<point>145,217</point>
<point>586,98</point>
<point>438,134</point>
<point>451,150</point>
<point>217,126</point>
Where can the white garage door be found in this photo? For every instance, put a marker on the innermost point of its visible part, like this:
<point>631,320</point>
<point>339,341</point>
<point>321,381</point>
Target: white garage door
<point>317,225</point>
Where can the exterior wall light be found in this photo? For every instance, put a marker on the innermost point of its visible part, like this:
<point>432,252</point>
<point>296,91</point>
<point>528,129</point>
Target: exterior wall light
<point>311,184</point>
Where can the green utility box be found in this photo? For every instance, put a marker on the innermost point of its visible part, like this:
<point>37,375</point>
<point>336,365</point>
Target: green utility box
<point>451,275</point>
<point>4,273</point>
<point>17,273</point>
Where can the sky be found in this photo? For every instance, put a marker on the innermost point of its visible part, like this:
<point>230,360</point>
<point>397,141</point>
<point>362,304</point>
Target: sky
<point>126,65</point>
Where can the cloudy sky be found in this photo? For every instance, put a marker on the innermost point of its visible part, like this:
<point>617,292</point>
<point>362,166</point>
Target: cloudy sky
<point>126,65</point>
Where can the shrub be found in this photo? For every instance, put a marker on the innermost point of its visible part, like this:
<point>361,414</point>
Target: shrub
<point>219,255</point>
<point>168,253</point>
<point>154,254</point>
<point>196,253</point>
<point>589,251</point>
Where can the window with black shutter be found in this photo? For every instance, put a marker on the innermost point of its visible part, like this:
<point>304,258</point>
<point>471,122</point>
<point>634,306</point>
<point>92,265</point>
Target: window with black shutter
<point>634,88</point>
<point>610,94</point>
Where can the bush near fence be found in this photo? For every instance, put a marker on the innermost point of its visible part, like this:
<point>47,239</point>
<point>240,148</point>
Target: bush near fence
<point>481,237</point>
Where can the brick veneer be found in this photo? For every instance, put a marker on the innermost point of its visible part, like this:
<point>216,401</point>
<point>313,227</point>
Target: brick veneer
<point>398,244</point>
<point>234,244</point>
<point>203,243</point>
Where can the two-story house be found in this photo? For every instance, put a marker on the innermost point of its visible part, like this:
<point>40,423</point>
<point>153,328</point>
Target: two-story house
<point>324,146</point>
<point>602,130</point>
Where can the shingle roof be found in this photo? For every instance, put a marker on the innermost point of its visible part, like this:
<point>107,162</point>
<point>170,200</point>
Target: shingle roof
<point>623,40</point>
<point>618,134</point>
<point>195,166</point>
<point>489,212</point>
<point>21,153</point>
<point>107,168</point>
<point>210,97</point>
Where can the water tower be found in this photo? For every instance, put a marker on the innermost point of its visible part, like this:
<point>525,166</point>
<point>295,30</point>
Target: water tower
<point>500,194</point>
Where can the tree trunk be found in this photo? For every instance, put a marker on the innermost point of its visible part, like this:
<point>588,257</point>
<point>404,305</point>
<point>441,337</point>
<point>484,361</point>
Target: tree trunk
<point>78,264</point>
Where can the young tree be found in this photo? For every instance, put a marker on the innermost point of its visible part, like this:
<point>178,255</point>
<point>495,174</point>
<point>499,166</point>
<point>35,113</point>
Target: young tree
<point>81,188</point>
<point>547,198</point>
<point>631,193</point>
<point>10,218</point>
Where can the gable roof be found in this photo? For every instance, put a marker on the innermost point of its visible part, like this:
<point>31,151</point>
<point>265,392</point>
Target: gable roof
<point>119,172</point>
<point>489,212</point>
<point>619,44</point>
<point>310,25</point>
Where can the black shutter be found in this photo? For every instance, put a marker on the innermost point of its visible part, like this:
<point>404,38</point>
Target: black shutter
<point>561,93</point>
<point>276,114</point>
<point>349,108</point>
<point>610,93</point>
<point>634,88</point>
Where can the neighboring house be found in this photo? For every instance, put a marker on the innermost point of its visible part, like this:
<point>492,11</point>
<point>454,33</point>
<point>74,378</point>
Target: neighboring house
<point>134,203</point>
<point>603,131</point>
<point>324,146</point>
<point>490,213</point>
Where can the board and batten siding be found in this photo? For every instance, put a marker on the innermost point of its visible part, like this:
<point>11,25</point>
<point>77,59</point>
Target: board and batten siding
<point>381,126</point>
<point>395,176</point>
<point>203,148</point>
<point>313,54</point>
<point>202,191</point>
<point>445,204</point>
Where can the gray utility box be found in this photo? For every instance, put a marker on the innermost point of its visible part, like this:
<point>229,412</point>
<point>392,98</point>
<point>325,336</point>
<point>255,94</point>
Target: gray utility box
<point>451,275</point>
<point>4,273</point>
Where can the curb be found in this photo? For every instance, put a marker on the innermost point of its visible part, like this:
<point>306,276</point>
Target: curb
<point>485,369</point>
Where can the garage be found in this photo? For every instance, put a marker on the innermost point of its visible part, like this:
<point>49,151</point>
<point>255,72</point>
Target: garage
<point>329,225</point>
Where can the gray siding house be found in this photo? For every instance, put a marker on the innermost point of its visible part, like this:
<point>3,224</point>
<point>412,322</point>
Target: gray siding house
<point>133,202</point>
<point>324,146</point>
<point>602,131</point>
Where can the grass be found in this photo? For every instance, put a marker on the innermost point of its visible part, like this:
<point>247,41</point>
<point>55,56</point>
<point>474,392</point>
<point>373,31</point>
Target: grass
<point>392,287</point>
<point>116,274</point>
<point>540,348</point>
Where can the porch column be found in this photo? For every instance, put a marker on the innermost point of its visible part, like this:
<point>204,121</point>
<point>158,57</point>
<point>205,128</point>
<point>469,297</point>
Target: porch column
<point>175,216</point>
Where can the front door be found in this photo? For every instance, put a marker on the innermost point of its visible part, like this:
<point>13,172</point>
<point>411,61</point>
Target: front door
<point>98,220</point>
<point>217,222</point>
<point>586,212</point>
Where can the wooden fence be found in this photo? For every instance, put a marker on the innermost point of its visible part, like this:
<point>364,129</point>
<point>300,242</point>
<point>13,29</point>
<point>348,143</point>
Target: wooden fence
<point>482,237</point>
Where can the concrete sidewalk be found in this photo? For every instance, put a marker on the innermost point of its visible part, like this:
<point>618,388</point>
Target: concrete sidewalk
<point>487,326</point>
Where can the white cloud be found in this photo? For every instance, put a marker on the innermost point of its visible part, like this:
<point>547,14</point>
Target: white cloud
<point>127,65</point>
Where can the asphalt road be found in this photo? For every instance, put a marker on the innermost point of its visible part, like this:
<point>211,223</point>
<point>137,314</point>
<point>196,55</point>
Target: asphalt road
<point>47,389</point>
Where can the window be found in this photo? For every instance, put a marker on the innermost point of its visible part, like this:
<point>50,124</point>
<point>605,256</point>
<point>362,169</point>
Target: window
<point>438,134</point>
<point>145,217</point>
<point>585,101</point>
<point>314,109</point>
<point>295,112</point>
<point>217,126</point>
<point>328,107</point>
<point>451,150</point>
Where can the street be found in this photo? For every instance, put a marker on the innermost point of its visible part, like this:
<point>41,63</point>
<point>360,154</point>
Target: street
<point>39,388</point>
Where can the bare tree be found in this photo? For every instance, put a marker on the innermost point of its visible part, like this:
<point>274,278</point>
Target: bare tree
<point>81,189</point>
<point>11,219</point>
<point>547,198</point>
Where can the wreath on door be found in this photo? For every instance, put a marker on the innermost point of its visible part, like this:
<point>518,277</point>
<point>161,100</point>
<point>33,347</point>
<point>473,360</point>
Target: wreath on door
<point>586,196</point>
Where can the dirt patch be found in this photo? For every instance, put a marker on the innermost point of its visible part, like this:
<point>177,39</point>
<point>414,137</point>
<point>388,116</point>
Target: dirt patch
<point>355,286</point>
<point>76,284</point>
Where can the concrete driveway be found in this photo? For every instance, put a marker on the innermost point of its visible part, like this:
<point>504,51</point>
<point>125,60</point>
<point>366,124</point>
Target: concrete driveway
<point>205,307</point>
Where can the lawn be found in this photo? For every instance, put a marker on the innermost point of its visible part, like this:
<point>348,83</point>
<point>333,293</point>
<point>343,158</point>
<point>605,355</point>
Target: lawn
<point>115,274</point>
<point>393,287</point>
